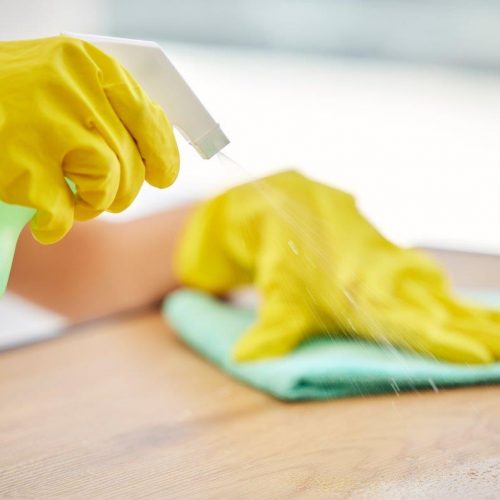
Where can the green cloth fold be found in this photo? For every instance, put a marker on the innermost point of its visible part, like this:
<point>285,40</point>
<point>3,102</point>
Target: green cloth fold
<point>321,368</point>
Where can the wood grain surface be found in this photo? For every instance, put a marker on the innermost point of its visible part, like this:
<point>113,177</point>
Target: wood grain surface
<point>122,409</point>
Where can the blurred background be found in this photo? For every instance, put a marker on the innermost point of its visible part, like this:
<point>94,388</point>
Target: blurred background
<point>396,101</point>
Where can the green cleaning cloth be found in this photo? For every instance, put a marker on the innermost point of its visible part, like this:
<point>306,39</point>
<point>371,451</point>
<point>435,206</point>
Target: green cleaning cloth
<point>322,367</point>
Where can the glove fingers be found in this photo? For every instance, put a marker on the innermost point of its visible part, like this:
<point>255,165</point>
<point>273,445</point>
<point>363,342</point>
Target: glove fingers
<point>407,329</point>
<point>55,211</point>
<point>464,325</point>
<point>454,346</point>
<point>147,124</point>
<point>145,121</point>
<point>32,178</point>
<point>277,331</point>
<point>131,170</point>
<point>459,308</point>
<point>484,331</point>
<point>95,170</point>
<point>476,322</point>
<point>108,143</point>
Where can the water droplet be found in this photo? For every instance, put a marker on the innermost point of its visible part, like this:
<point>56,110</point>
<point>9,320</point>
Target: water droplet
<point>293,247</point>
<point>433,385</point>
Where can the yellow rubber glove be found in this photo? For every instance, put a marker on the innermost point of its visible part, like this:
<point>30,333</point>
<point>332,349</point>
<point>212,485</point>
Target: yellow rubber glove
<point>320,266</point>
<point>69,110</point>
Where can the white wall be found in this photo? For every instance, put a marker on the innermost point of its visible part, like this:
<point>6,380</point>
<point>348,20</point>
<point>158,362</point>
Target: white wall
<point>38,18</point>
<point>457,32</point>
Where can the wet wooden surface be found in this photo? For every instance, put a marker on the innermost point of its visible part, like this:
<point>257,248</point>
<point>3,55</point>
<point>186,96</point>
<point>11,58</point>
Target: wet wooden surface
<point>123,410</point>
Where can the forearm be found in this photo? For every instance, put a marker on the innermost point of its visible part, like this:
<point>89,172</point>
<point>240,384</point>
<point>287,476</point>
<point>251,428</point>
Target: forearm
<point>101,268</point>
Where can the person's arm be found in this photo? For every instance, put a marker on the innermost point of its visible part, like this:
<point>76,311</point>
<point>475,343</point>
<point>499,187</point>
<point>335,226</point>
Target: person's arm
<point>100,268</point>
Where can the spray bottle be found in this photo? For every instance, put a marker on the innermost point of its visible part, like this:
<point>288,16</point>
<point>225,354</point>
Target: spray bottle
<point>150,66</point>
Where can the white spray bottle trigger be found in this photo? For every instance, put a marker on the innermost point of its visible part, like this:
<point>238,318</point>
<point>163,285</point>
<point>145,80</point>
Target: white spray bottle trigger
<point>148,64</point>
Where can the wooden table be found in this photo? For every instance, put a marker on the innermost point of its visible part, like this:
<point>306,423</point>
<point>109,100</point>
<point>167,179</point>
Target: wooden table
<point>122,409</point>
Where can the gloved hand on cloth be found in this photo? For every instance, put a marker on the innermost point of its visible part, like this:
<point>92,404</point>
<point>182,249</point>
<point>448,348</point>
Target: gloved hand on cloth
<point>321,268</point>
<point>69,110</point>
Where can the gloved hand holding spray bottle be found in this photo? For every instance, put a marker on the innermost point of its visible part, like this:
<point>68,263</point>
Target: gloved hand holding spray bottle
<point>100,184</point>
